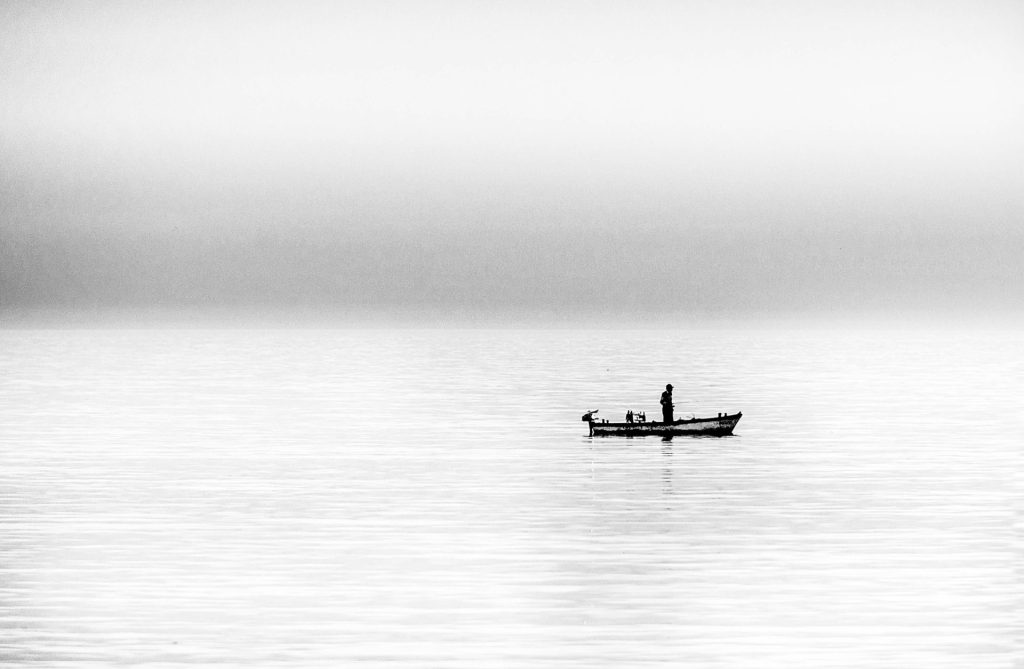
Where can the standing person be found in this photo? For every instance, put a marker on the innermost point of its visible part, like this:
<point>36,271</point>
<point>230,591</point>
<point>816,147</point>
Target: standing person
<point>666,404</point>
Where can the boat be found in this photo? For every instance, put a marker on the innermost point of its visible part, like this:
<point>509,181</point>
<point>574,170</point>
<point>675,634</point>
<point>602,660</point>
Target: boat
<point>719,426</point>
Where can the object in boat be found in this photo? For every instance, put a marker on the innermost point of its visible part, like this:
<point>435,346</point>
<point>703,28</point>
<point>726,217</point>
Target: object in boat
<point>720,426</point>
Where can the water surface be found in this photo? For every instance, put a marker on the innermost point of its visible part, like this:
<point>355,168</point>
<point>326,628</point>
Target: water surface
<point>418,498</point>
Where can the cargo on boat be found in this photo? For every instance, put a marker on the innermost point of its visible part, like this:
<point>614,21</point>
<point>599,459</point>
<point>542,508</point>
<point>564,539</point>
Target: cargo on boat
<point>719,426</point>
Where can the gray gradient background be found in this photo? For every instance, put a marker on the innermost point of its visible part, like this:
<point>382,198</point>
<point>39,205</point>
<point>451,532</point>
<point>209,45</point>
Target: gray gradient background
<point>537,161</point>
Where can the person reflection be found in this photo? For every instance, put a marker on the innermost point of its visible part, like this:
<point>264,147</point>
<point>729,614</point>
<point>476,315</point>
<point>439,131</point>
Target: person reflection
<point>666,472</point>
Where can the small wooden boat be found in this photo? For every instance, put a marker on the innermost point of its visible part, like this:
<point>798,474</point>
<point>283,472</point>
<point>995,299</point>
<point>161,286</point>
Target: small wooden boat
<point>719,426</point>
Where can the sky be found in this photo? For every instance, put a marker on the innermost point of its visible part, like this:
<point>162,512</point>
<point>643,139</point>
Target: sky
<point>451,161</point>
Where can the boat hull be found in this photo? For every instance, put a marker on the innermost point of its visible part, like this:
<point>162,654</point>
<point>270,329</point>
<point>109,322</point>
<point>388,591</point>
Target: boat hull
<point>720,426</point>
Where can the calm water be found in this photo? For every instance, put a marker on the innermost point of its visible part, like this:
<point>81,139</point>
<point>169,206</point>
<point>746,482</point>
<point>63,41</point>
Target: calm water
<point>431,499</point>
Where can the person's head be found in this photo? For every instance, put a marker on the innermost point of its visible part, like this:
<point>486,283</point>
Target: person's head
<point>669,387</point>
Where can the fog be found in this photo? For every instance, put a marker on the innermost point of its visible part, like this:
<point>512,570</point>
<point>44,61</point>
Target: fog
<point>538,161</point>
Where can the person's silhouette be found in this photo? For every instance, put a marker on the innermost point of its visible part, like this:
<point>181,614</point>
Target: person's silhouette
<point>666,404</point>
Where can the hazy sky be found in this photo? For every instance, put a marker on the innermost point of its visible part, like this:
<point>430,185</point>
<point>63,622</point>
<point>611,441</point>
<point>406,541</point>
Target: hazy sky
<point>698,159</point>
